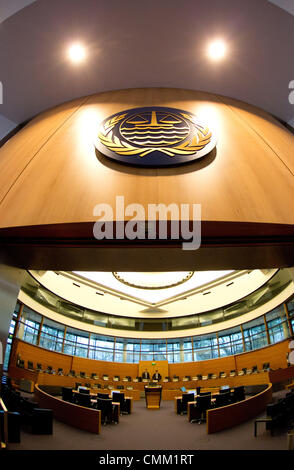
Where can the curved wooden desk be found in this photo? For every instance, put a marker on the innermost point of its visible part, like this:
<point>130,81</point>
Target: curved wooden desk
<point>228,416</point>
<point>68,413</point>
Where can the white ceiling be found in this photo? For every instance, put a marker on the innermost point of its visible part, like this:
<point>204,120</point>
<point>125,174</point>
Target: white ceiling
<point>287,5</point>
<point>9,7</point>
<point>140,44</point>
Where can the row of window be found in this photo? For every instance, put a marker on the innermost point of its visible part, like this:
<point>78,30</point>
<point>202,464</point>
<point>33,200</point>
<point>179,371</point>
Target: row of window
<point>228,312</point>
<point>275,326</point>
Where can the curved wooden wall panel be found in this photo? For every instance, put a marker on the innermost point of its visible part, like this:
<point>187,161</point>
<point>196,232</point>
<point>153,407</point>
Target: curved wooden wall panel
<point>228,416</point>
<point>80,417</point>
<point>53,175</point>
<point>275,355</point>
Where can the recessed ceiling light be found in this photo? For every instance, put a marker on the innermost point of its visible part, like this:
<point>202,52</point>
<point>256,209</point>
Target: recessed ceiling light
<point>217,50</point>
<point>77,53</point>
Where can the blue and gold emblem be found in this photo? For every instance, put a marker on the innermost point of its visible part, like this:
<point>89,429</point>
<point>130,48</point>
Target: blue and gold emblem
<point>154,136</point>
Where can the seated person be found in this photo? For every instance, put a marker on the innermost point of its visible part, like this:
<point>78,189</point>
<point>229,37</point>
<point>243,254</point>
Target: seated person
<point>156,376</point>
<point>145,374</point>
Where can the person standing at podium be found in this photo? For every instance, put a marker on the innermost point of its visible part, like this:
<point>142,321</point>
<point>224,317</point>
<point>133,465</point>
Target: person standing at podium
<point>145,374</point>
<point>156,376</point>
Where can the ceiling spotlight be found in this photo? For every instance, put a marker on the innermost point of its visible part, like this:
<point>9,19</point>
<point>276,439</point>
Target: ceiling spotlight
<point>76,53</point>
<point>217,50</point>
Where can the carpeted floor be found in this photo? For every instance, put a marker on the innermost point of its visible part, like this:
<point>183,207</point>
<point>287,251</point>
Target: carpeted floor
<point>157,430</point>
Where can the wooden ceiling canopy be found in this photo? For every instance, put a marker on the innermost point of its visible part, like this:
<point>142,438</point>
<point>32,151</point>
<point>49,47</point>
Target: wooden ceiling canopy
<point>52,177</point>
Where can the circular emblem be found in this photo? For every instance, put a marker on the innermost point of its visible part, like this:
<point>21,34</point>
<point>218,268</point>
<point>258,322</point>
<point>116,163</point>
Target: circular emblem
<point>154,136</point>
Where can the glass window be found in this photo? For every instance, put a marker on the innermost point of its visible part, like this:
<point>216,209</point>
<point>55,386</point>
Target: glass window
<point>290,306</point>
<point>230,342</point>
<point>205,347</point>
<point>29,325</point>
<point>277,324</point>
<point>52,335</point>
<point>255,334</point>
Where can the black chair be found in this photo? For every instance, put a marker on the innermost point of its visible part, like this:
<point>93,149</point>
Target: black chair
<point>223,399</point>
<point>83,399</point>
<point>67,394</point>
<point>87,384</point>
<point>82,375</point>
<point>183,403</point>
<point>60,371</point>
<point>198,411</point>
<point>199,377</point>
<point>13,424</point>
<point>106,408</point>
<point>84,391</point>
<point>39,367</point>
<point>49,370</point>
<point>102,395</point>
<point>30,365</point>
<point>274,411</point>
<point>125,404</point>
<point>266,366</point>
<point>238,394</point>
<point>116,378</point>
<point>94,376</point>
<point>21,363</point>
<point>72,373</point>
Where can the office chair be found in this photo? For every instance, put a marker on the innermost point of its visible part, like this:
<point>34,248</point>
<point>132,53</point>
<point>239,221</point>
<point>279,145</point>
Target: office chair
<point>116,378</point>
<point>254,370</point>
<point>82,375</point>
<point>243,371</point>
<point>198,411</point>
<point>232,373</point>
<point>30,365</point>
<point>238,394</point>
<point>199,377</point>
<point>21,364</point>
<point>67,394</point>
<point>49,370</point>
<point>106,408</point>
<point>84,391</point>
<point>266,366</point>
<point>72,373</point>
<point>125,405</point>
<point>183,403</point>
<point>83,399</point>
<point>102,395</point>
<point>60,371</point>
<point>223,399</point>
<point>94,376</point>
<point>39,367</point>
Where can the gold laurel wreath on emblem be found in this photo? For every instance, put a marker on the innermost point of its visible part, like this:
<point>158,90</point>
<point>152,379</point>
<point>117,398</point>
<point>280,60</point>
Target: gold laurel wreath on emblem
<point>189,147</point>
